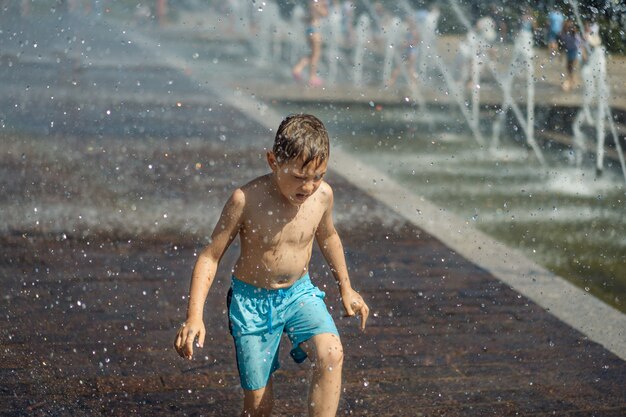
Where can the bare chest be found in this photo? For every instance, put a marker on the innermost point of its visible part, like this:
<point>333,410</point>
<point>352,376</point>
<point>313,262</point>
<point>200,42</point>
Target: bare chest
<point>276,229</point>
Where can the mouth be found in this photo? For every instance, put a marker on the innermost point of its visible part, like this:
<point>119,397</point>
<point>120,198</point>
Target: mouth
<point>301,196</point>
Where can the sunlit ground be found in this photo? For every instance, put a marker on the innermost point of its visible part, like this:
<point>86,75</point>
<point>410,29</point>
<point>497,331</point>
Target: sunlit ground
<point>565,219</point>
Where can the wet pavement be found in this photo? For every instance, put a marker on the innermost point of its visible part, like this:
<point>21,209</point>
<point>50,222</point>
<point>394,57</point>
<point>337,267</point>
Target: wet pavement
<point>107,195</point>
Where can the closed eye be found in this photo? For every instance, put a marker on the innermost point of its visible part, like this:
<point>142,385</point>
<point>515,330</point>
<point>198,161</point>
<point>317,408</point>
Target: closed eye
<point>315,178</point>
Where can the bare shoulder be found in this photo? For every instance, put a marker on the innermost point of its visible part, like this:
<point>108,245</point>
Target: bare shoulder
<point>254,193</point>
<point>238,198</point>
<point>249,192</point>
<point>235,205</point>
<point>326,194</point>
<point>257,188</point>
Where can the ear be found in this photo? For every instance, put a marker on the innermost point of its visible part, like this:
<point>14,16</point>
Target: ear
<point>271,161</point>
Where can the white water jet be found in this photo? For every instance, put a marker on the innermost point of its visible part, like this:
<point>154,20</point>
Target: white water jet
<point>296,40</point>
<point>521,62</point>
<point>332,26</point>
<point>596,94</point>
<point>475,54</point>
<point>595,91</point>
<point>363,34</point>
<point>577,181</point>
<point>265,24</point>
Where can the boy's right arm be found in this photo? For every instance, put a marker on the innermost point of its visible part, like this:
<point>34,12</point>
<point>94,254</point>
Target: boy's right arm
<point>204,272</point>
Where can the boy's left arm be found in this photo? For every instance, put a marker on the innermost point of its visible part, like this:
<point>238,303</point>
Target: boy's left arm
<point>332,249</point>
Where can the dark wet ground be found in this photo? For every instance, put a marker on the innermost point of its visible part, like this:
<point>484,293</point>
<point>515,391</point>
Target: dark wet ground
<point>93,290</point>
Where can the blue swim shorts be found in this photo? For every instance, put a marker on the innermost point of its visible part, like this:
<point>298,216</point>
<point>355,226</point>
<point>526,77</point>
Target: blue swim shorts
<point>553,36</point>
<point>258,317</point>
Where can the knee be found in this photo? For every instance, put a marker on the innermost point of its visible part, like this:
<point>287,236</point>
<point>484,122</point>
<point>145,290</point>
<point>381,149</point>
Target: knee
<point>330,357</point>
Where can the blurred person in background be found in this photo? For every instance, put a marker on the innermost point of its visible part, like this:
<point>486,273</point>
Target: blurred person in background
<point>317,11</point>
<point>570,42</point>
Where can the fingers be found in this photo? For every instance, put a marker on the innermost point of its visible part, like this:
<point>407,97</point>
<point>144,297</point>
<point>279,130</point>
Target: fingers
<point>178,342</point>
<point>354,307</point>
<point>188,347</point>
<point>349,309</point>
<point>201,335</point>
<point>184,341</point>
<point>181,342</point>
<point>365,312</point>
<point>358,308</point>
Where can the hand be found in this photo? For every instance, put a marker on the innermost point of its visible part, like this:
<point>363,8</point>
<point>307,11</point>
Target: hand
<point>186,336</point>
<point>354,305</point>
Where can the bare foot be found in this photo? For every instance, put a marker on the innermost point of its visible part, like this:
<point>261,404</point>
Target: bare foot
<point>316,82</point>
<point>297,76</point>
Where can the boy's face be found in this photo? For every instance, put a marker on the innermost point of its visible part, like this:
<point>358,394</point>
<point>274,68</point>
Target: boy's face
<point>297,182</point>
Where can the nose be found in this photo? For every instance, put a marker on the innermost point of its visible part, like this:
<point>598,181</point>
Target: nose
<point>308,187</point>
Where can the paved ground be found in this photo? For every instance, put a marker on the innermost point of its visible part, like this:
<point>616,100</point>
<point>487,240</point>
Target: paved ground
<point>104,213</point>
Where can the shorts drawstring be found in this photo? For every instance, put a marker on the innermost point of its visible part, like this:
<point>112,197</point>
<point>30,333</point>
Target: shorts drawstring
<point>269,312</point>
<point>279,295</point>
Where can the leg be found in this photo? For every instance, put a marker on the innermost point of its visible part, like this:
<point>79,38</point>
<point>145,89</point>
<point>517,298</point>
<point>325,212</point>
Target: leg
<point>568,83</point>
<point>327,354</point>
<point>411,68</point>
<point>315,41</point>
<point>258,403</point>
<point>394,76</point>
<point>552,45</point>
<point>255,348</point>
<point>299,67</point>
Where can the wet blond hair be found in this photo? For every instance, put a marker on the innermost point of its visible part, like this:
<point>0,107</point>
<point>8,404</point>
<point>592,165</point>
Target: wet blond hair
<point>301,136</point>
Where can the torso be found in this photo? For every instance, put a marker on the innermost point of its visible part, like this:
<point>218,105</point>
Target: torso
<point>317,11</point>
<point>276,237</point>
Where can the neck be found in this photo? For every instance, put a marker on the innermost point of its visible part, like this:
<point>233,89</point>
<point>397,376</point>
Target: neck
<point>284,204</point>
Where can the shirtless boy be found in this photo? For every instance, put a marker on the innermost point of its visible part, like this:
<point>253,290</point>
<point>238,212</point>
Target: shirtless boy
<point>277,217</point>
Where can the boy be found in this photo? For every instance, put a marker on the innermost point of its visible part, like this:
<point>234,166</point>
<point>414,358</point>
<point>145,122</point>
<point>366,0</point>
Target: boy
<point>277,217</point>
